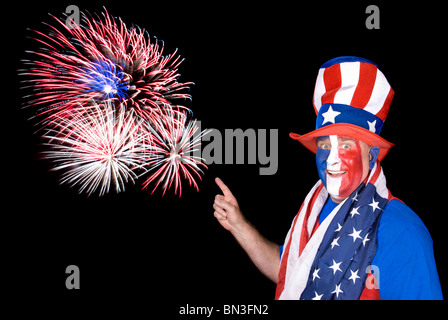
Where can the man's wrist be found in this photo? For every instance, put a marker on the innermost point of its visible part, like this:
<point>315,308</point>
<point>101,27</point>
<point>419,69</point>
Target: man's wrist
<point>243,230</point>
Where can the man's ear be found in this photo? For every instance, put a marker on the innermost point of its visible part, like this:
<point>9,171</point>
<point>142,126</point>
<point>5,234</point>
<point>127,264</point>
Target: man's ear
<point>373,155</point>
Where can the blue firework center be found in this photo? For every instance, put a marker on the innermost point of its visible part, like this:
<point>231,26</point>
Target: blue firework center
<point>105,78</point>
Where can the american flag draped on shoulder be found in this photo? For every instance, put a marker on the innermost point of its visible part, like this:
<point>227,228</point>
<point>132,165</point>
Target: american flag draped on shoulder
<point>331,262</point>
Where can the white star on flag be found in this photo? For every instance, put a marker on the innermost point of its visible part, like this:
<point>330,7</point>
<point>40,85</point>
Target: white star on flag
<point>317,296</point>
<point>335,242</point>
<point>335,267</point>
<point>374,205</point>
<point>365,240</point>
<point>354,275</point>
<point>337,290</point>
<point>338,228</point>
<point>315,274</point>
<point>355,234</point>
<point>354,211</point>
<point>330,115</point>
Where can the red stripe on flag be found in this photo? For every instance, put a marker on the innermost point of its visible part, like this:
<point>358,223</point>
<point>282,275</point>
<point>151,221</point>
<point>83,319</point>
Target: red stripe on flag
<point>304,236</point>
<point>364,89</point>
<point>333,82</point>
<point>376,174</point>
<point>284,262</point>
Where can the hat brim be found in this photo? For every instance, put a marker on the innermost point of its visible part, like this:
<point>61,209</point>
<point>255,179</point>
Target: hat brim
<point>347,130</point>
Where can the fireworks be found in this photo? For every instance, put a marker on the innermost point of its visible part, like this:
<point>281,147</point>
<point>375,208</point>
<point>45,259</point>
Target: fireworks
<point>175,141</point>
<point>99,148</point>
<point>104,96</point>
<point>101,60</point>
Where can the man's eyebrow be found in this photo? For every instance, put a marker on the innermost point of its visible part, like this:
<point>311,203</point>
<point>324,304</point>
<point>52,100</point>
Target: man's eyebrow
<point>347,139</point>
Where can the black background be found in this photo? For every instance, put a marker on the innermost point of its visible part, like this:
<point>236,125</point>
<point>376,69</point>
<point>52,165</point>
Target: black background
<point>254,66</point>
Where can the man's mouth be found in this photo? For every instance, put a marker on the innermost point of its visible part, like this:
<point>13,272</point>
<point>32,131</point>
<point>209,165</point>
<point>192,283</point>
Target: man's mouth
<point>335,173</point>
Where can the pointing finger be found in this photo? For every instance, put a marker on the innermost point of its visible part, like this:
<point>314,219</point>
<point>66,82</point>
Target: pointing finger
<point>225,190</point>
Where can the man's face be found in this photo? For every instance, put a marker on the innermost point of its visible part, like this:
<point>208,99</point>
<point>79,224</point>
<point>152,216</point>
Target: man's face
<point>342,164</point>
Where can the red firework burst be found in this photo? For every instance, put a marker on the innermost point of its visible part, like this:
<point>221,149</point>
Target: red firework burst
<point>101,60</point>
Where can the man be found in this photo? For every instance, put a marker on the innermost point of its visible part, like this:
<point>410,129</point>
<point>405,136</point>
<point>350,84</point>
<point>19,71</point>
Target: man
<point>351,238</point>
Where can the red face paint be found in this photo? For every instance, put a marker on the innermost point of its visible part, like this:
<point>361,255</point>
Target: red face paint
<point>351,162</point>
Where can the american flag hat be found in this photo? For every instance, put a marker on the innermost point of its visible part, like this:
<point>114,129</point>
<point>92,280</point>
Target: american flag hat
<point>351,98</point>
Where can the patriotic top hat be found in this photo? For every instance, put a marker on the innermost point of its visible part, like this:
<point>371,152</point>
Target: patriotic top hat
<point>351,98</point>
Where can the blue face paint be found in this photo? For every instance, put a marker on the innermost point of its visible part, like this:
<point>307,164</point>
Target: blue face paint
<point>321,162</point>
<point>373,155</point>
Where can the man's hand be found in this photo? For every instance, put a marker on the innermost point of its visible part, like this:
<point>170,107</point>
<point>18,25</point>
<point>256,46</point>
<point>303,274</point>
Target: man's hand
<point>263,253</point>
<point>227,210</point>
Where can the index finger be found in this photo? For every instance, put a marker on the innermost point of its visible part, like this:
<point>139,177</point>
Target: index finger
<point>225,190</point>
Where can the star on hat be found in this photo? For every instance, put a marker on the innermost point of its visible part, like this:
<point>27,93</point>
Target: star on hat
<point>330,115</point>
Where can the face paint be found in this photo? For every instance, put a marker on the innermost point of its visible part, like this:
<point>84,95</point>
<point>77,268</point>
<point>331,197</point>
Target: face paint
<point>339,164</point>
<point>373,155</point>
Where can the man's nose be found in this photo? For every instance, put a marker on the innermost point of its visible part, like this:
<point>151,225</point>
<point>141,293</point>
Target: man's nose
<point>333,158</point>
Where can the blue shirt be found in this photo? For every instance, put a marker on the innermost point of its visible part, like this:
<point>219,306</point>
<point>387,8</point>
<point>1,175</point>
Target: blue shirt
<point>406,269</point>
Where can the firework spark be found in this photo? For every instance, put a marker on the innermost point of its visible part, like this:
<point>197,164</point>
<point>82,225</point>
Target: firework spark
<point>174,142</point>
<point>97,148</point>
<point>101,60</point>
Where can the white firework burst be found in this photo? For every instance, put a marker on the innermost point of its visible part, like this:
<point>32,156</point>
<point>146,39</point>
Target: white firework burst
<point>98,147</point>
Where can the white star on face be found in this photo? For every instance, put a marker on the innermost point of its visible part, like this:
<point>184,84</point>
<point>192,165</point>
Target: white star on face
<point>315,274</point>
<point>317,296</point>
<point>337,290</point>
<point>355,197</point>
<point>335,267</point>
<point>354,211</point>
<point>365,240</point>
<point>354,275</point>
<point>374,205</point>
<point>372,126</point>
<point>330,115</point>
<point>339,228</point>
<point>335,242</point>
<point>355,234</point>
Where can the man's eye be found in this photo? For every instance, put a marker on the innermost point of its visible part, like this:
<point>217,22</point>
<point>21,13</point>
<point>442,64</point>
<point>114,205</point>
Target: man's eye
<point>345,146</point>
<point>324,146</point>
